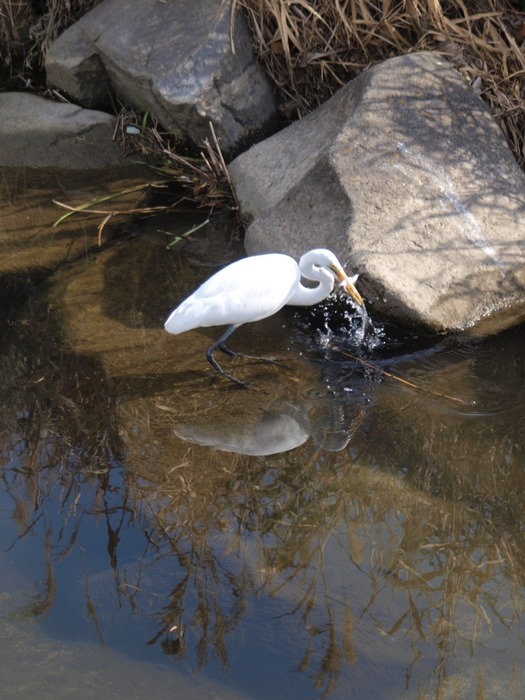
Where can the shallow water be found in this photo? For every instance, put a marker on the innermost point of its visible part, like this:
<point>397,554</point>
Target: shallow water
<point>333,532</point>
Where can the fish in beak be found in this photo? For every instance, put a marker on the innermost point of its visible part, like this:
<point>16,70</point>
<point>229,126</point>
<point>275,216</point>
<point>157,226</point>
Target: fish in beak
<point>348,284</point>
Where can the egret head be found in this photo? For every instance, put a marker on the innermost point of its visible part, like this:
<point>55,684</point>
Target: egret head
<point>323,259</point>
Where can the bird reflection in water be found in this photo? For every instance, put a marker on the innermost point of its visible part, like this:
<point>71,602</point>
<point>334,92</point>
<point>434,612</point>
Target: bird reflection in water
<point>328,424</point>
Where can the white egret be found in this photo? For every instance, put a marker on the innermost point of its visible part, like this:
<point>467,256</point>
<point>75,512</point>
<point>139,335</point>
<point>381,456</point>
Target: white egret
<point>254,288</point>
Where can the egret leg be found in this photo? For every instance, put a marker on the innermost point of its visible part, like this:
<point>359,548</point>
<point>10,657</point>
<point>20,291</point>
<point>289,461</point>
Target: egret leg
<point>220,345</point>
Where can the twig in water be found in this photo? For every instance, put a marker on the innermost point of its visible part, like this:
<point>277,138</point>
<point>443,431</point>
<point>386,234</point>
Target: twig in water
<point>370,365</point>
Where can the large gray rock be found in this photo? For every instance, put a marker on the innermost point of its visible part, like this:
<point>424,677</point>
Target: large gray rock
<point>404,172</point>
<point>173,59</point>
<point>36,132</point>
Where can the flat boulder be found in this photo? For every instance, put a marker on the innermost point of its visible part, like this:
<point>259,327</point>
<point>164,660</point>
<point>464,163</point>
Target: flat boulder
<point>404,173</point>
<point>187,63</point>
<point>36,132</point>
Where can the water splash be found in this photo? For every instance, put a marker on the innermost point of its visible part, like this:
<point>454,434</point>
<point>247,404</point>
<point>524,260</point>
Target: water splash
<point>338,319</point>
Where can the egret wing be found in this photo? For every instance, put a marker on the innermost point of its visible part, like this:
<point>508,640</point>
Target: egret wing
<point>248,290</point>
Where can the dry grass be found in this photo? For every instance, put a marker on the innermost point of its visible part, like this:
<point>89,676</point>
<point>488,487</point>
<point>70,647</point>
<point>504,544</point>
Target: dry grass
<point>310,48</point>
<point>203,177</point>
<point>28,29</point>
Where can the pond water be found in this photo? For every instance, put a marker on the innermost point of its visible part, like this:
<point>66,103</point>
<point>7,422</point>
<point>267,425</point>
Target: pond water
<point>333,532</point>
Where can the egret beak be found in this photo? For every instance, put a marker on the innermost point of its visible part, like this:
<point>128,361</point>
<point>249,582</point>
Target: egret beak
<point>348,284</point>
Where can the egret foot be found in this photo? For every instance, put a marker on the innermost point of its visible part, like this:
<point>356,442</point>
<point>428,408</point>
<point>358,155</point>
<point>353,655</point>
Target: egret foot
<point>232,353</point>
<point>238,383</point>
<point>216,366</point>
